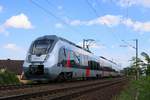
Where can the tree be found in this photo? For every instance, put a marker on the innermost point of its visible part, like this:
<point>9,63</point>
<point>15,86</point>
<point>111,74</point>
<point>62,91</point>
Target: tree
<point>147,62</point>
<point>135,65</point>
<point>133,62</point>
<point>128,71</point>
<point>132,69</point>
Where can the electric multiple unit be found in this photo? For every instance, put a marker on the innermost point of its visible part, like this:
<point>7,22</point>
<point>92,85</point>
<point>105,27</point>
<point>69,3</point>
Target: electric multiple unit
<point>51,57</point>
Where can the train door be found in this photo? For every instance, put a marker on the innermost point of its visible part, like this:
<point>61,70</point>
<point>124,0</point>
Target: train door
<point>62,57</point>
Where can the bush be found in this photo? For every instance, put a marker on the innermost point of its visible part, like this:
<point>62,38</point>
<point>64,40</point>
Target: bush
<point>7,77</point>
<point>143,86</point>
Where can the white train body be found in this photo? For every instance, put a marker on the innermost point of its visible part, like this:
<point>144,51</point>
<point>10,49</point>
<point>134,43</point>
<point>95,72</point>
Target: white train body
<point>51,57</point>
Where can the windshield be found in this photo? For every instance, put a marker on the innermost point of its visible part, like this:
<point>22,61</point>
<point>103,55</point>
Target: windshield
<point>41,46</point>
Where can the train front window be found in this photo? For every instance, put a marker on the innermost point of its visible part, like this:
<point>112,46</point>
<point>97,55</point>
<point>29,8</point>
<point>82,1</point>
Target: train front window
<point>41,46</point>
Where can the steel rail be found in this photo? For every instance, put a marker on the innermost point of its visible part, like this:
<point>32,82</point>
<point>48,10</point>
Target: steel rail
<point>67,92</point>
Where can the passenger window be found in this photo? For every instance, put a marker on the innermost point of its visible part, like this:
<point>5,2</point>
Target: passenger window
<point>89,63</point>
<point>93,65</point>
<point>72,61</point>
<point>98,66</point>
<point>62,57</point>
<point>77,58</point>
<point>86,60</point>
<point>82,60</point>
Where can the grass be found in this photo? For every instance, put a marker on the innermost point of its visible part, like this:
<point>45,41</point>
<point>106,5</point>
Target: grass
<point>7,77</point>
<point>136,88</point>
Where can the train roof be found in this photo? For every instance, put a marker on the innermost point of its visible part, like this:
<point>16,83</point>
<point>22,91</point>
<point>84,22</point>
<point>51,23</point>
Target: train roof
<point>108,60</point>
<point>62,39</point>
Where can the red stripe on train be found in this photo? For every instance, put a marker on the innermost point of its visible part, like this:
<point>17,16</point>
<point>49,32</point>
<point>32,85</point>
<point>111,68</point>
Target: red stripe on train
<point>87,72</point>
<point>68,60</point>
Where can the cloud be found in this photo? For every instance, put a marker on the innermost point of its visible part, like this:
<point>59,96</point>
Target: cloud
<point>108,20</point>
<point>114,20</point>
<point>59,25</point>
<point>128,3</point>
<point>75,22</point>
<point>18,21</point>
<point>11,46</point>
<point>137,25</point>
<point>1,8</point>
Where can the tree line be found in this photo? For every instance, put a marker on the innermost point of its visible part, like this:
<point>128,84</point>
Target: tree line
<point>141,66</point>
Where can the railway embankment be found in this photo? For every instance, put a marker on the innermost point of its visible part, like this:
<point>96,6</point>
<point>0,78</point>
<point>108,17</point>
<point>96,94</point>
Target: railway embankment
<point>106,93</point>
<point>80,90</point>
<point>136,90</point>
<point>67,91</point>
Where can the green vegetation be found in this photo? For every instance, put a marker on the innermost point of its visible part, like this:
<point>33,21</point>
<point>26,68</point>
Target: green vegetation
<point>7,77</point>
<point>143,66</point>
<point>136,90</point>
<point>146,65</point>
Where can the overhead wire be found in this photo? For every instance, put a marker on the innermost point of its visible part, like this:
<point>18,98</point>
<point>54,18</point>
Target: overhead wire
<point>97,15</point>
<point>99,5</point>
<point>47,11</point>
<point>113,31</point>
<point>94,10</point>
<point>52,4</point>
<point>53,15</point>
<point>127,17</point>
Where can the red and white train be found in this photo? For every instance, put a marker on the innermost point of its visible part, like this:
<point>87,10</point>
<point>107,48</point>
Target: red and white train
<point>51,57</point>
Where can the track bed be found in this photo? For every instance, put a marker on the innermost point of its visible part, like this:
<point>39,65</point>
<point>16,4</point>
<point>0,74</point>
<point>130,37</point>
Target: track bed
<point>61,91</point>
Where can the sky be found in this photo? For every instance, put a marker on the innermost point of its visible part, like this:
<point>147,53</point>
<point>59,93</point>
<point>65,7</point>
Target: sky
<point>111,23</point>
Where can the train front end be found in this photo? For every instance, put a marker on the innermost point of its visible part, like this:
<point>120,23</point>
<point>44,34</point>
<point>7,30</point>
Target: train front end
<point>38,60</point>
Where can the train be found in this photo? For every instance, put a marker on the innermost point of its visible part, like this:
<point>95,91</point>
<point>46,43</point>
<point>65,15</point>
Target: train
<point>54,58</point>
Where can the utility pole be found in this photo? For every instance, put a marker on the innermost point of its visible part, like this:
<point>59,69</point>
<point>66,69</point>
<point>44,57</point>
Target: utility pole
<point>136,58</point>
<point>137,69</point>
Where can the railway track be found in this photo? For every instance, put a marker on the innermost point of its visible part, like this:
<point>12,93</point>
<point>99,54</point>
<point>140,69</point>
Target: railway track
<point>22,86</point>
<point>64,92</point>
<point>13,86</point>
<point>19,86</point>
